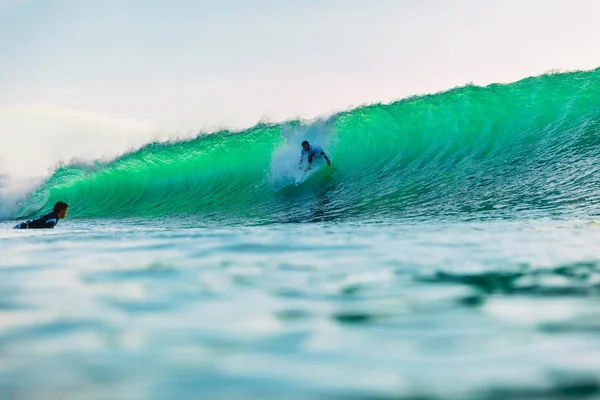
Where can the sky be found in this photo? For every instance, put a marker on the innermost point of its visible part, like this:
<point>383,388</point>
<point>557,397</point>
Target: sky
<point>86,79</point>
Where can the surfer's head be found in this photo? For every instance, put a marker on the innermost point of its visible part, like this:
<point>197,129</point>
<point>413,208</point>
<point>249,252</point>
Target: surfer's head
<point>305,145</point>
<point>61,208</point>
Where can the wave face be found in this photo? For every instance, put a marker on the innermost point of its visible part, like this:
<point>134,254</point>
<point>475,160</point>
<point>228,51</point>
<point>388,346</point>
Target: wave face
<point>528,148</point>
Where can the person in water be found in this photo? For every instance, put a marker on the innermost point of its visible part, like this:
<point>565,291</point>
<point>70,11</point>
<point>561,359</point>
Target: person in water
<point>48,220</point>
<point>312,152</point>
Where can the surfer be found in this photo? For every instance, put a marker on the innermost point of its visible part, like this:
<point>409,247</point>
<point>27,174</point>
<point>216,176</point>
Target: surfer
<point>312,152</point>
<point>48,220</point>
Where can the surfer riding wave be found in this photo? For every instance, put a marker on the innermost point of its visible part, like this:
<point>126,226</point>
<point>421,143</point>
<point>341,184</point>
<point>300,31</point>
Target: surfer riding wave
<point>311,151</point>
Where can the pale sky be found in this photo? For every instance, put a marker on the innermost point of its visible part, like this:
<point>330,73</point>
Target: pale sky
<point>90,79</point>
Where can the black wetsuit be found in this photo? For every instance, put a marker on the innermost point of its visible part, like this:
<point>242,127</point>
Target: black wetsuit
<point>47,221</point>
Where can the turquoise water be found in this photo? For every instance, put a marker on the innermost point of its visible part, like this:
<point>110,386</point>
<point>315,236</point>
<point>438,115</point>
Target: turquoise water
<point>450,252</point>
<point>486,310</point>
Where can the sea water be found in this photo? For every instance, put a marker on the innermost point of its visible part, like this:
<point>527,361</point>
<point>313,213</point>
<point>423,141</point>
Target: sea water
<point>116,310</point>
<point>450,252</point>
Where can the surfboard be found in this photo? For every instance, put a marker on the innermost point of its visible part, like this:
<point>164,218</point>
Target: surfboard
<point>317,164</point>
<point>308,172</point>
<point>303,177</point>
<point>309,180</point>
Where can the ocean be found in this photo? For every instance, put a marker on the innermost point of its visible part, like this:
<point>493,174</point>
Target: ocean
<point>449,252</point>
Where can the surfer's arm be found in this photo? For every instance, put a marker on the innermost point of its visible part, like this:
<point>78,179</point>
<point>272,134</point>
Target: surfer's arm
<point>325,155</point>
<point>301,160</point>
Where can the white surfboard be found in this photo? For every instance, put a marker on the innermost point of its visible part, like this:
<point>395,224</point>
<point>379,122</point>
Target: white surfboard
<point>307,172</point>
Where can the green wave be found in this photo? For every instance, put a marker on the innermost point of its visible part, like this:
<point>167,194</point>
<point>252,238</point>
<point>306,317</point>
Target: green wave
<point>501,150</point>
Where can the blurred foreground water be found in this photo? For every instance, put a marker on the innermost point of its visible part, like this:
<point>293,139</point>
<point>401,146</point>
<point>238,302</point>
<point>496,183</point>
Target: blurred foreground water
<point>121,309</point>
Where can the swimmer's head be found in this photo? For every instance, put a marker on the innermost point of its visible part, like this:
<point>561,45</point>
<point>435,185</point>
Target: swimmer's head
<point>305,145</point>
<point>61,209</point>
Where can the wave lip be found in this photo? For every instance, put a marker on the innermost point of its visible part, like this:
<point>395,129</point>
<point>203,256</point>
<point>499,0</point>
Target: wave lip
<point>526,147</point>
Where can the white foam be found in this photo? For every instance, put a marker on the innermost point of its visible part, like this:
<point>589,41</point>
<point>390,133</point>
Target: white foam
<point>12,192</point>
